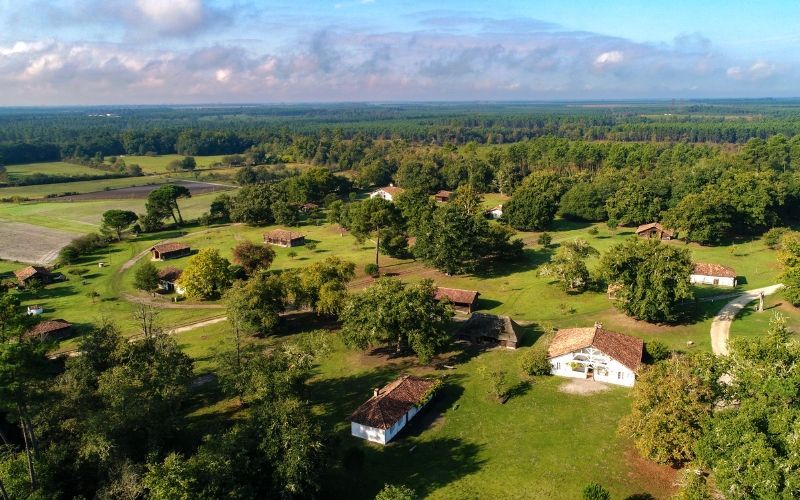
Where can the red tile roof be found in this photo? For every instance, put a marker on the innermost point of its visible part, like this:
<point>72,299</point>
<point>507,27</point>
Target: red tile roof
<point>392,402</point>
<point>456,295</point>
<point>655,225</point>
<point>170,247</point>
<point>47,327</point>
<point>283,235</point>
<point>624,348</point>
<point>29,272</point>
<point>706,269</point>
<point>444,194</point>
<point>392,190</point>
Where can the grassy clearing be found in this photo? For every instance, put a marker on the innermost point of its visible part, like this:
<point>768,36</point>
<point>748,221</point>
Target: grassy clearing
<point>50,168</point>
<point>464,445</point>
<point>42,190</point>
<point>158,164</point>
<point>751,323</point>
<point>85,216</point>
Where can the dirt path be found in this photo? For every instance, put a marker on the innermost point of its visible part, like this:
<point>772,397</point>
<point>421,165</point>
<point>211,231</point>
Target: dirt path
<point>141,299</point>
<point>721,326</point>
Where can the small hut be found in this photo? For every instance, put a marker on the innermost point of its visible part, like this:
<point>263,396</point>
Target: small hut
<point>656,231</point>
<point>443,196</point>
<point>32,273</point>
<point>284,238</point>
<point>490,329</point>
<point>463,301</point>
<point>167,279</point>
<point>52,329</point>
<point>164,251</point>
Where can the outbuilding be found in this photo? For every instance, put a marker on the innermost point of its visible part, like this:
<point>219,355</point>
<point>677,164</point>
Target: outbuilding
<point>443,196</point>
<point>168,278</point>
<point>492,330</point>
<point>164,251</point>
<point>388,193</point>
<point>656,231</point>
<point>390,408</point>
<point>51,329</point>
<point>35,310</point>
<point>284,238</point>
<point>713,274</point>
<point>32,273</point>
<point>494,212</point>
<point>596,353</point>
<point>463,300</point>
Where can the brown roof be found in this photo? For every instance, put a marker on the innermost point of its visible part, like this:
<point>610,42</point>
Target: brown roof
<point>29,272</point>
<point>169,274</point>
<point>624,348</point>
<point>443,193</point>
<point>392,402</point>
<point>654,225</point>
<point>283,234</point>
<point>170,247</point>
<point>706,269</point>
<point>48,326</point>
<point>457,296</point>
<point>490,325</point>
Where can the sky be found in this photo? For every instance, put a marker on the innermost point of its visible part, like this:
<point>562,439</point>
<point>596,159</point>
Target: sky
<point>68,52</point>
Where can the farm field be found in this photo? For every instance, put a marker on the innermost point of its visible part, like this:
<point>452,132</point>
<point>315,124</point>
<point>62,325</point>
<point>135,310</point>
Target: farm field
<point>16,172</point>
<point>141,192</point>
<point>43,190</point>
<point>32,244</point>
<point>85,216</point>
<point>158,164</point>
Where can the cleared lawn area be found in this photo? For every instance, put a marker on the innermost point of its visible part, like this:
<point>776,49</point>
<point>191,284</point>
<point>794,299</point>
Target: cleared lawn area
<point>750,323</point>
<point>85,216</point>
<point>50,168</point>
<point>516,289</point>
<point>541,444</point>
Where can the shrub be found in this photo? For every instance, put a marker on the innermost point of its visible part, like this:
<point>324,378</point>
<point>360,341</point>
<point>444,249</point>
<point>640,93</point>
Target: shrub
<point>594,491</point>
<point>372,269</point>
<point>593,231</point>
<point>544,239</point>
<point>396,492</point>
<point>772,238</point>
<point>534,362</point>
<point>656,351</point>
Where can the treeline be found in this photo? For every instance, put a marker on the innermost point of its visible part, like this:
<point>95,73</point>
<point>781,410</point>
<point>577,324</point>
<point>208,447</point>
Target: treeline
<point>46,135</point>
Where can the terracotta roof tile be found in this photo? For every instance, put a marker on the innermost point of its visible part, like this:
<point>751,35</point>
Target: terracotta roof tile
<point>283,234</point>
<point>624,348</point>
<point>392,402</point>
<point>456,295</point>
<point>46,327</point>
<point>170,274</point>
<point>169,247</point>
<point>29,272</point>
<point>707,269</point>
<point>654,225</point>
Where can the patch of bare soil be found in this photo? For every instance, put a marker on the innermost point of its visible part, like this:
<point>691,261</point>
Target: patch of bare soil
<point>582,387</point>
<point>660,481</point>
<point>22,242</point>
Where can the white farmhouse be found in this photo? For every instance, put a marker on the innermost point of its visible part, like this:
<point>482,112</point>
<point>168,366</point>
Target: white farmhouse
<point>390,408</point>
<point>388,193</point>
<point>595,353</point>
<point>494,212</point>
<point>713,274</point>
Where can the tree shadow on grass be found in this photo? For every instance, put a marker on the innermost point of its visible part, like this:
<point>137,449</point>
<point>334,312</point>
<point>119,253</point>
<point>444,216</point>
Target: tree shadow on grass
<point>519,389</point>
<point>531,259</point>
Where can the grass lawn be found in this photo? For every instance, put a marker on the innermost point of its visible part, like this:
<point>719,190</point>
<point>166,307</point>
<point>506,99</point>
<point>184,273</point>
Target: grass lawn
<point>50,168</point>
<point>158,164</point>
<point>750,323</point>
<point>85,216</point>
<point>541,443</point>
<point>42,190</point>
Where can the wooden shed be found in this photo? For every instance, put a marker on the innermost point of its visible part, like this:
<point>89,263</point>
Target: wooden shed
<point>51,329</point>
<point>489,329</point>
<point>284,238</point>
<point>164,251</point>
<point>656,231</point>
<point>443,196</point>
<point>463,300</point>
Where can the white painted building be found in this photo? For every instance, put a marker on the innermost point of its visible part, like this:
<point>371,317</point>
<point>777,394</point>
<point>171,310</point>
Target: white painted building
<point>390,408</point>
<point>35,310</point>
<point>388,193</point>
<point>595,353</point>
<point>713,274</point>
<point>494,212</point>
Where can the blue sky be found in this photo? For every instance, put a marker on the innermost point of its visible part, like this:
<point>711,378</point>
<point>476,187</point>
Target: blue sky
<point>199,51</point>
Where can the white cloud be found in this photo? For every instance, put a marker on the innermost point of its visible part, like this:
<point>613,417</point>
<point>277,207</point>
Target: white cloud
<point>608,58</point>
<point>223,75</point>
<point>759,70</point>
<point>172,15</point>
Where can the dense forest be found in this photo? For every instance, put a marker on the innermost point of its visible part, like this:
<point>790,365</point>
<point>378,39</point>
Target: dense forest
<point>47,134</point>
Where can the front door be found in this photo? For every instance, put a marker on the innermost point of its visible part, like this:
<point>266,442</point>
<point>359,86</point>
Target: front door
<point>590,372</point>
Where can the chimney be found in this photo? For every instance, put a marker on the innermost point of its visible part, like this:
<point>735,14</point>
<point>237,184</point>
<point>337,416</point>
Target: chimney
<point>375,392</point>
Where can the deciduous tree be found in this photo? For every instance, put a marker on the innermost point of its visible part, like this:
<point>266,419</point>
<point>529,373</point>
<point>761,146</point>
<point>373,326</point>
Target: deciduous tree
<point>206,275</point>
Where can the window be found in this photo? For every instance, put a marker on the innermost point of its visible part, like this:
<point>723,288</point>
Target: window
<point>558,366</point>
<point>620,375</point>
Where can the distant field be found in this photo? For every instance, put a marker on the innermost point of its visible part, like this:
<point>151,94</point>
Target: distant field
<point>43,190</point>
<point>141,192</point>
<point>84,216</point>
<point>53,168</point>
<point>32,244</point>
<point>158,164</point>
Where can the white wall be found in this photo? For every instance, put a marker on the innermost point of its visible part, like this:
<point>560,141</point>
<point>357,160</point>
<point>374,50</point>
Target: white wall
<point>383,436</point>
<point>382,194</point>
<point>701,279</point>
<point>617,373</point>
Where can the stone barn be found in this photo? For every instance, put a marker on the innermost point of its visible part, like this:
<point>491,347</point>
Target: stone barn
<point>164,251</point>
